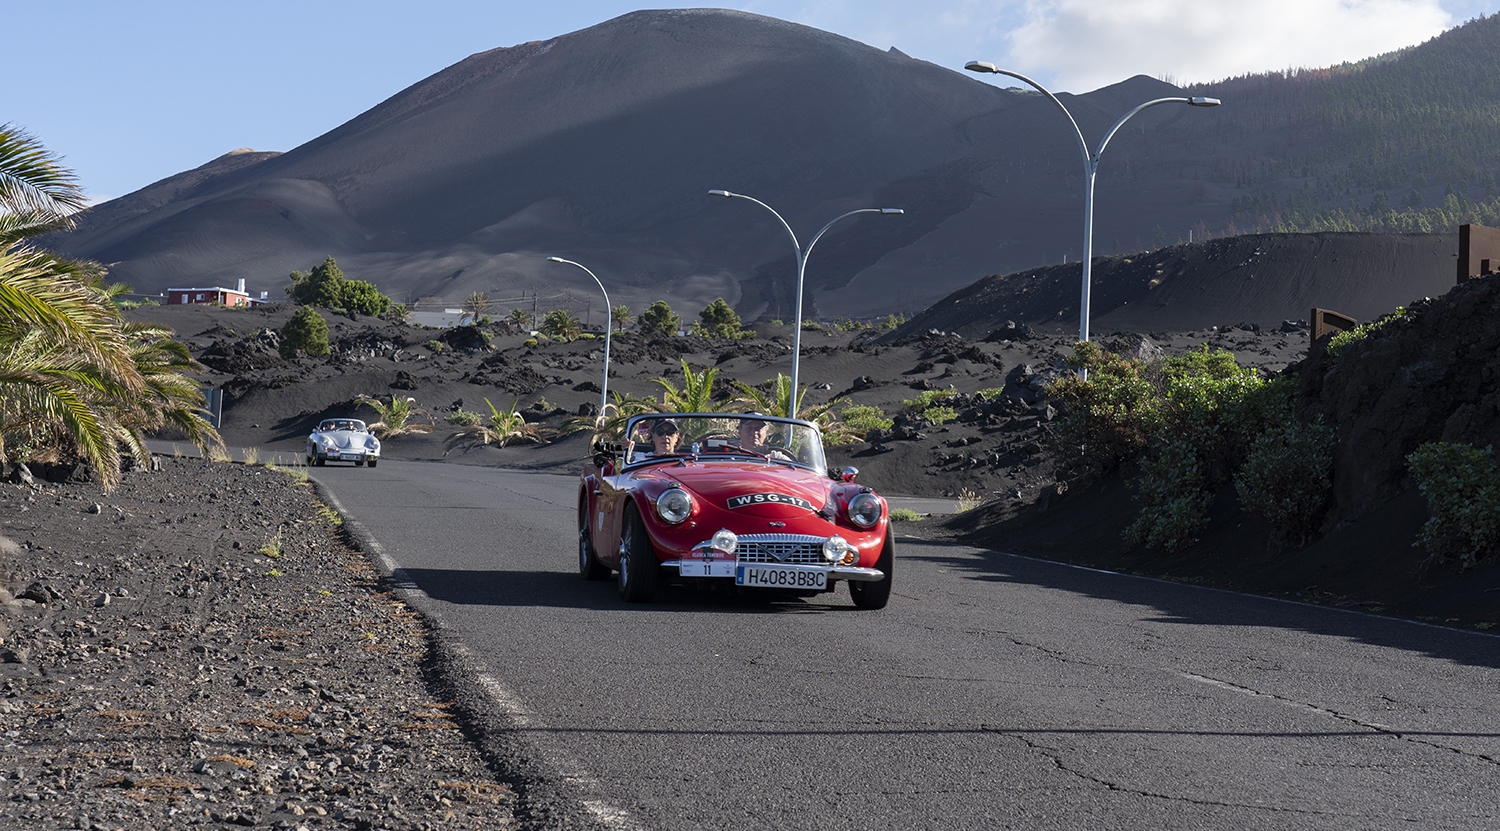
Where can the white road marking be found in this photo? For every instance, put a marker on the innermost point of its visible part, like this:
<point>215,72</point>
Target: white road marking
<point>500,697</point>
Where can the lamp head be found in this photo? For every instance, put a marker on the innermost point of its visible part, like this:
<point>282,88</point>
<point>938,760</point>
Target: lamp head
<point>723,193</point>
<point>981,66</point>
<point>1198,101</point>
<point>892,211</point>
<point>556,260</point>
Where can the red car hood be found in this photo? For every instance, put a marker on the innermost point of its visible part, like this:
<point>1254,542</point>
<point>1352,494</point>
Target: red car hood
<point>754,489</point>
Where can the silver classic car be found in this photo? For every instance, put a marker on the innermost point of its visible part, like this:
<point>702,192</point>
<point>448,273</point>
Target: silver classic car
<point>342,440</point>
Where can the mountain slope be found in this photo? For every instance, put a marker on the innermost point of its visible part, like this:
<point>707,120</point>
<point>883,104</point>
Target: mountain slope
<point>600,146</point>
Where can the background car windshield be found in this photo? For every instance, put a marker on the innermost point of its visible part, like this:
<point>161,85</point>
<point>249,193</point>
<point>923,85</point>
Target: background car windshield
<point>723,436</point>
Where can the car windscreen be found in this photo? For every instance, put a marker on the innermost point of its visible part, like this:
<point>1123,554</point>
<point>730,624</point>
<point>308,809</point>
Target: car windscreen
<point>727,436</point>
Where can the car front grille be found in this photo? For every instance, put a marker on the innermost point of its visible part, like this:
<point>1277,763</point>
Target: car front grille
<point>789,549</point>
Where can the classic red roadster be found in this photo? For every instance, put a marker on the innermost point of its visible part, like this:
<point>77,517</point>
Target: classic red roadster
<point>735,500</point>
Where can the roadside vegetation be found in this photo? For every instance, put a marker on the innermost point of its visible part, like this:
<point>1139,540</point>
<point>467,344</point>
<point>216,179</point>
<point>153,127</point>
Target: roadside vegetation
<point>1189,426</point>
<point>77,382</point>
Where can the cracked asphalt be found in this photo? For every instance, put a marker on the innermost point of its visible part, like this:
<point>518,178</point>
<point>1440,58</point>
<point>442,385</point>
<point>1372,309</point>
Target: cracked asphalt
<point>993,692</point>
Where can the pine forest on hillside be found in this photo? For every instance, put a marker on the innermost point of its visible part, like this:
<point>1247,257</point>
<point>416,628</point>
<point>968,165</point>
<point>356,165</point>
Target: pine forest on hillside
<point>1403,142</point>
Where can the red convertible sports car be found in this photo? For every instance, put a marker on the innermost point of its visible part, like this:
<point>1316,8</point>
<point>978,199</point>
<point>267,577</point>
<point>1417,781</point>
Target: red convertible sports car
<point>743,500</point>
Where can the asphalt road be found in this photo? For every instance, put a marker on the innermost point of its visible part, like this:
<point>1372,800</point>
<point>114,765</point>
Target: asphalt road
<point>993,692</point>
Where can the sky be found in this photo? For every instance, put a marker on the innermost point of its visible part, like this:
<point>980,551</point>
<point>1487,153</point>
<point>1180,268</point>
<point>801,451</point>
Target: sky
<point>130,93</point>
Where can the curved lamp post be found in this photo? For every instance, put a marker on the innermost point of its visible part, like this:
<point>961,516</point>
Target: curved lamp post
<point>801,270</point>
<point>1090,167</point>
<point>609,320</point>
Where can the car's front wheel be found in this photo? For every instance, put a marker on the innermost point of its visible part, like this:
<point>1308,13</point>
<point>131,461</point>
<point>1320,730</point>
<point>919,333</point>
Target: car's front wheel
<point>589,567</point>
<point>640,571</point>
<point>373,461</point>
<point>359,462</point>
<point>874,595</point>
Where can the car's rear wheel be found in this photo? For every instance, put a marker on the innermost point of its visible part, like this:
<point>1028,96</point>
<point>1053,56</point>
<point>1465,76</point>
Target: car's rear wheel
<point>875,594</point>
<point>589,567</point>
<point>640,571</point>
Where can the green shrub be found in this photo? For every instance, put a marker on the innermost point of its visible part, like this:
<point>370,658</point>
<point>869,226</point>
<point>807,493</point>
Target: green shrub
<point>929,404</point>
<point>529,342</point>
<point>891,322</point>
<point>1286,478</point>
<point>863,418</point>
<point>811,326</point>
<point>719,320</point>
<point>904,515</point>
<point>1111,416</point>
<point>1174,497</point>
<point>1337,343</point>
<point>1463,494</point>
<point>436,345</point>
<point>659,317</point>
<point>307,331</point>
<point>464,418</point>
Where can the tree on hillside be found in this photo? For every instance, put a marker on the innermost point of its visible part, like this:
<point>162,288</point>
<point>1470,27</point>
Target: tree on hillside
<point>719,320</point>
<point>519,318</point>
<point>307,331</point>
<point>620,316</point>
<point>659,317</point>
<point>327,287</point>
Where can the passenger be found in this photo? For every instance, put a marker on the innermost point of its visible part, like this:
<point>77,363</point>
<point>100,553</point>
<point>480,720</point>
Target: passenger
<point>753,437</point>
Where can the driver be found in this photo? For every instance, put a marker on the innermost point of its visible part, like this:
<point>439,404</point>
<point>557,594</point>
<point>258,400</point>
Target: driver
<point>664,439</point>
<point>753,432</point>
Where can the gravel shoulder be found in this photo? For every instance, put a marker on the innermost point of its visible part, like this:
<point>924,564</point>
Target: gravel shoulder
<point>205,646</point>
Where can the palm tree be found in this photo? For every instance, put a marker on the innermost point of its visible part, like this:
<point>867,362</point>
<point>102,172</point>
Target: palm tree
<point>778,403</point>
<point>696,395</point>
<point>394,417</point>
<point>75,379</point>
<point>519,318</point>
<point>500,429</point>
<point>477,304</point>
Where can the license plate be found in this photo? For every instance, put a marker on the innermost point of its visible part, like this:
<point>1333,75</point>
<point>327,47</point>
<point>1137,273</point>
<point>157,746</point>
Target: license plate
<point>780,578</point>
<point>351,457</point>
<point>706,568</point>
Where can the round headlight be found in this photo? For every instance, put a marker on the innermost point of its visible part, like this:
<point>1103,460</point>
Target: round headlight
<point>835,547</point>
<point>864,510</point>
<point>725,541</point>
<point>674,505</point>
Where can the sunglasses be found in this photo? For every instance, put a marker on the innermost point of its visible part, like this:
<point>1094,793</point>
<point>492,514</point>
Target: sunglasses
<point>664,430</point>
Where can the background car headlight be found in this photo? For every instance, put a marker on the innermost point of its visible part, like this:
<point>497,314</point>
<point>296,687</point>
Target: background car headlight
<point>835,547</point>
<point>725,541</point>
<point>864,510</point>
<point>674,505</point>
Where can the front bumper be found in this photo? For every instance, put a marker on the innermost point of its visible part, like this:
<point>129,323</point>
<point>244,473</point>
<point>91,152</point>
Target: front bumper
<point>853,573</point>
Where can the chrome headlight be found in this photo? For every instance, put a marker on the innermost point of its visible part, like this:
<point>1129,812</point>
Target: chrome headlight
<point>674,505</point>
<point>725,541</point>
<point>835,548</point>
<point>372,443</point>
<point>864,510</point>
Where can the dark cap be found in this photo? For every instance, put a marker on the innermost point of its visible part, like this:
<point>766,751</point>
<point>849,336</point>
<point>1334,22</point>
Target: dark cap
<point>664,426</point>
<point>759,417</point>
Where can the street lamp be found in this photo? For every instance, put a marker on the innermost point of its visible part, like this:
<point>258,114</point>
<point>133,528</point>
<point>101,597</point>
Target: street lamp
<point>801,270</point>
<point>609,319</point>
<point>1090,167</point>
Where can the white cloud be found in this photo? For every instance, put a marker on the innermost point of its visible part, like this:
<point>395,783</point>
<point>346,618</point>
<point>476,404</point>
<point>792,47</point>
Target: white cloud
<point>1085,44</point>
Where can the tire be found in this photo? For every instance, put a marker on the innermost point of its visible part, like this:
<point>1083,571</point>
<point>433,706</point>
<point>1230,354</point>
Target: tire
<point>875,595</point>
<point>589,567</point>
<point>373,461</point>
<point>640,571</point>
<point>322,462</point>
<point>359,462</point>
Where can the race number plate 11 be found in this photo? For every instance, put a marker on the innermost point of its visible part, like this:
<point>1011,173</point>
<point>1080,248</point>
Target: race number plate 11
<point>780,578</point>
